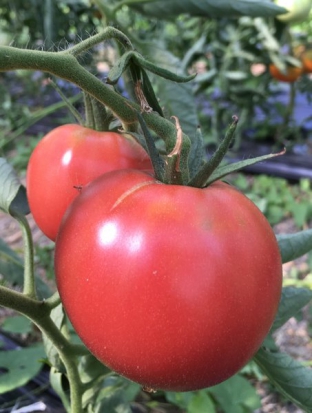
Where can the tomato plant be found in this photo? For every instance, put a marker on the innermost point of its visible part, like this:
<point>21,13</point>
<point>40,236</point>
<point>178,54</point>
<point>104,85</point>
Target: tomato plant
<point>291,75</point>
<point>171,278</point>
<point>191,277</point>
<point>66,159</point>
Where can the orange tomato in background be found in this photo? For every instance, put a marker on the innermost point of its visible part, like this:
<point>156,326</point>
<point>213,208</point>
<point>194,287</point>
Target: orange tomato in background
<point>291,75</point>
<point>306,59</point>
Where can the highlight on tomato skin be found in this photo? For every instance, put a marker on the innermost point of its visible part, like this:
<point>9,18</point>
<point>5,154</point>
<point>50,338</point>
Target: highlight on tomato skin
<point>65,160</point>
<point>171,286</point>
<point>291,75</point>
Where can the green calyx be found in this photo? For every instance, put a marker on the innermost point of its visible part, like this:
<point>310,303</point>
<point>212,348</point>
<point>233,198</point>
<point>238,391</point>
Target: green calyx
<point>174,167</point>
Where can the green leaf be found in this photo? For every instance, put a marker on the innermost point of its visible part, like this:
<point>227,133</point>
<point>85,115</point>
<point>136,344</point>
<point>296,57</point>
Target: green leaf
<point>225,170</point>
<point>236,395</point>
<point>12,193</point>
<point>201,402</point>
<point>150,94</point>
<point>56,380</point>
<point>90,367</point>
<point>12,270</point>
<point>292,300</point>
<point>197,153</point>
<point>17,325</point>
<point>11,265</point>
<point>293,246</point>
<point>290,377</point>
<point>134,58</point>
<point>119,67</point>
<point>300,212</point>
<point>176,99</point>
<point>181,400</point>
<point>209,8</point>
<point>58,317</point>
<point>116,395</point>
<point>19,366</point>
<point>157,160</point>
<point>161,71</point>
<point>203,176</point>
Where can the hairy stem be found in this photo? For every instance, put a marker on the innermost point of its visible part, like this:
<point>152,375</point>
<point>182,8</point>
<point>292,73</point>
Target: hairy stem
<point>106,34</point>
<point>65,66</point>
<point>53,301</point>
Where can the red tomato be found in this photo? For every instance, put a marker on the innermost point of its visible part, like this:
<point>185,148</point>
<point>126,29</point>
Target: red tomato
<point>171,286</point>
<point>68,158</point>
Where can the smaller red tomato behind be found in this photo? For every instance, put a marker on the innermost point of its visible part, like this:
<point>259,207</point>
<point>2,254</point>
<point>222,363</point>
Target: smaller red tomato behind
<point>68,158</point>
<point>171,286</point>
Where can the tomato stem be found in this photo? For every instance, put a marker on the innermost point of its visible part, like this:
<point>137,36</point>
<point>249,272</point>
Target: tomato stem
<point>173,173</point>
<point>100,115</point>
<point>89,122</point>
<point>157,162</point>
<point>53,301</point>
<point>108,33</point>
<point>64,65</point>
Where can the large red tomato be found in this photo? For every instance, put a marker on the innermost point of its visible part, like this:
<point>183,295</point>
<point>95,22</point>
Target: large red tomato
<point>68,158</point>
<point>171,286</point>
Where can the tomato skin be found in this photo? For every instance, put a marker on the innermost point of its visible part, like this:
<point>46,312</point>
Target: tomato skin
<point>292,74</point>
<point>173,287</point>
<point>68,158</point>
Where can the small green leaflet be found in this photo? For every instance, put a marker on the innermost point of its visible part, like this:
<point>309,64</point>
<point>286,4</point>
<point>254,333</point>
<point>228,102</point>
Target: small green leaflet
<point>12,194</point>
